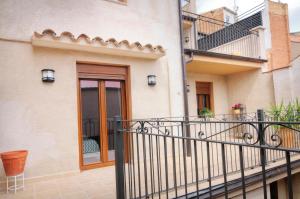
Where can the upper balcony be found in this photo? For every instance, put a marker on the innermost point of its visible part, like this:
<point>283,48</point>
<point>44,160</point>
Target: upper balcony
<point>240,40</point>
<point>212,35</point>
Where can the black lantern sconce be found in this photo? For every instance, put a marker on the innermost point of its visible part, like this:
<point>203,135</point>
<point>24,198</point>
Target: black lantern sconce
<point>48,75</point>
<point>151,80</point>
<point>187,39</point>
<point>188,88</point>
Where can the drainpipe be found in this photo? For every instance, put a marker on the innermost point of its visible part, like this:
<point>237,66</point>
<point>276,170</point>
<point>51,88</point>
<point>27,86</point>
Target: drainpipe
<point>184,81</point>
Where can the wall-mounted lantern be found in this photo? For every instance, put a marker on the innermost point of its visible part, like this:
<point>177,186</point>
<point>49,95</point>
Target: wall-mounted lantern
<point>188,88</point>
<point>48,75</point>
<point>187,39</point>
<point>151,80</point>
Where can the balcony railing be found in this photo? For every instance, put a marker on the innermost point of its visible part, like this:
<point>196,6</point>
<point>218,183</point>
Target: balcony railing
<point>173,158</point>
<point>212,35</point>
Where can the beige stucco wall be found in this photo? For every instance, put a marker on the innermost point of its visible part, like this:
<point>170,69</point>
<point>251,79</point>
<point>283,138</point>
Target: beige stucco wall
<point>295,71</point>
<point>295,49</point>
<point>286,82</point>
<point>154,22</point>
<point>257,194</point>
<point>282,85</point>
<point>253,88</point>
<point>43,117</point>
<point>220,93</point>
<point>283,187</point>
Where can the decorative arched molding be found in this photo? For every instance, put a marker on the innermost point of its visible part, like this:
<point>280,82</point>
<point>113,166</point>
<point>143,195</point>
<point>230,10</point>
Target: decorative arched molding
<point>66,40</point>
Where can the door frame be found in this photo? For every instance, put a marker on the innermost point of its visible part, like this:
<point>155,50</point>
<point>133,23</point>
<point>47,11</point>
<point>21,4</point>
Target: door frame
<point>102,71</point>
<point>211,93</point>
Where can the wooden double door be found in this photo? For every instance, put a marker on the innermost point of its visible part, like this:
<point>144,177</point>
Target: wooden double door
<point>102,95</point>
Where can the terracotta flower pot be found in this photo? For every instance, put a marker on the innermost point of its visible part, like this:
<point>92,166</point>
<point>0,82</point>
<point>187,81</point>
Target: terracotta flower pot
<point>14,162</point>
<point>288,137</point>
<point>237,111</point>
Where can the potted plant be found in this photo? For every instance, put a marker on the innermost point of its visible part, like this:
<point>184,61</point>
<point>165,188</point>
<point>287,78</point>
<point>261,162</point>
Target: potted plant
<point>14,162</point>
<point>286,113</point>
<point>237,108</point>
<point>238,129</point>
<point>205,113</point>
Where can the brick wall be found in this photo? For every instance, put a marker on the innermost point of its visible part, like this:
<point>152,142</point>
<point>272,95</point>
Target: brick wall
<point>208,26</point>
<point>279,54</point>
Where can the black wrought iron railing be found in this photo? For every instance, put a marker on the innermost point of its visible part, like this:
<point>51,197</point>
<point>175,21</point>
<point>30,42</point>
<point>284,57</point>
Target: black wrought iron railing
<point>216,36</point>
<point>156,159</point>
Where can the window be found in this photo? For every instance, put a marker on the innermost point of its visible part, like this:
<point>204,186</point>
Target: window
<point>101,97</point>
<point>204,96</point>
<point>227,20</point>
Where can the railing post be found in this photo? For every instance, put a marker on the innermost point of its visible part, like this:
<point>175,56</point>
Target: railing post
<point>261,118</point>
<point>195,34</point>
<point>119,157</point>
<point>186,132</point>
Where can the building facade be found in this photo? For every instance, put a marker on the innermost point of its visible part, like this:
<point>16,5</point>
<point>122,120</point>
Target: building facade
<point>113,57</point>
<point>218,58</point>
<point>115,42</point>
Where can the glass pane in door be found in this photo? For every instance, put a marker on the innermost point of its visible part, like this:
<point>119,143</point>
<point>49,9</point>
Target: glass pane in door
<point>113,108</point>
<point>90,121</point>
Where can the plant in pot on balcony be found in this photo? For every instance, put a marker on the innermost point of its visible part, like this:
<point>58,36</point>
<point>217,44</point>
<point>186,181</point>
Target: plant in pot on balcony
<point>238,115</point>
<point>286,113</point>
<point>237,108</point>
<point>205,113</point>
<point>14,162</point>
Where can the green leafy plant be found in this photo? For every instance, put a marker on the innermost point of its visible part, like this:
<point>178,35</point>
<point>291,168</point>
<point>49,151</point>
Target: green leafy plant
<point>205,113</point>
<point>285,113</point>
<point>297,110</point>
<point>276,111</point>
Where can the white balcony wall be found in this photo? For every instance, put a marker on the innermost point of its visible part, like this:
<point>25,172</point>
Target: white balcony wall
<point>248,46</point>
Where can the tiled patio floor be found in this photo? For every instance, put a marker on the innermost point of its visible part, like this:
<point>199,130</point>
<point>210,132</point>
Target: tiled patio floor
<point>99,183</point>
<point>92,184</point>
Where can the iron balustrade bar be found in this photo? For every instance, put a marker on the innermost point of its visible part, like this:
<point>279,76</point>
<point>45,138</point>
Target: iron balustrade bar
<point>222,122</point>
<point>222,142</point>
<point>174,166</point>
<point>195,15</point>
<point>208,170</point>
<point>120,180</point>
<point>289,173</point>
<point>224,170</point>
<point>196,167</point>
<point>242,171</point>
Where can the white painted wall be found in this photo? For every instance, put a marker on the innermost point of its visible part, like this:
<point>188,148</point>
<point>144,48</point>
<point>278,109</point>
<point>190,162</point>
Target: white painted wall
<point>230,15</point>
<point>295,71</point>
<point>282,85</point>
<point>286,82</point>
<point>248,46</point>
<point>266,25</point>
